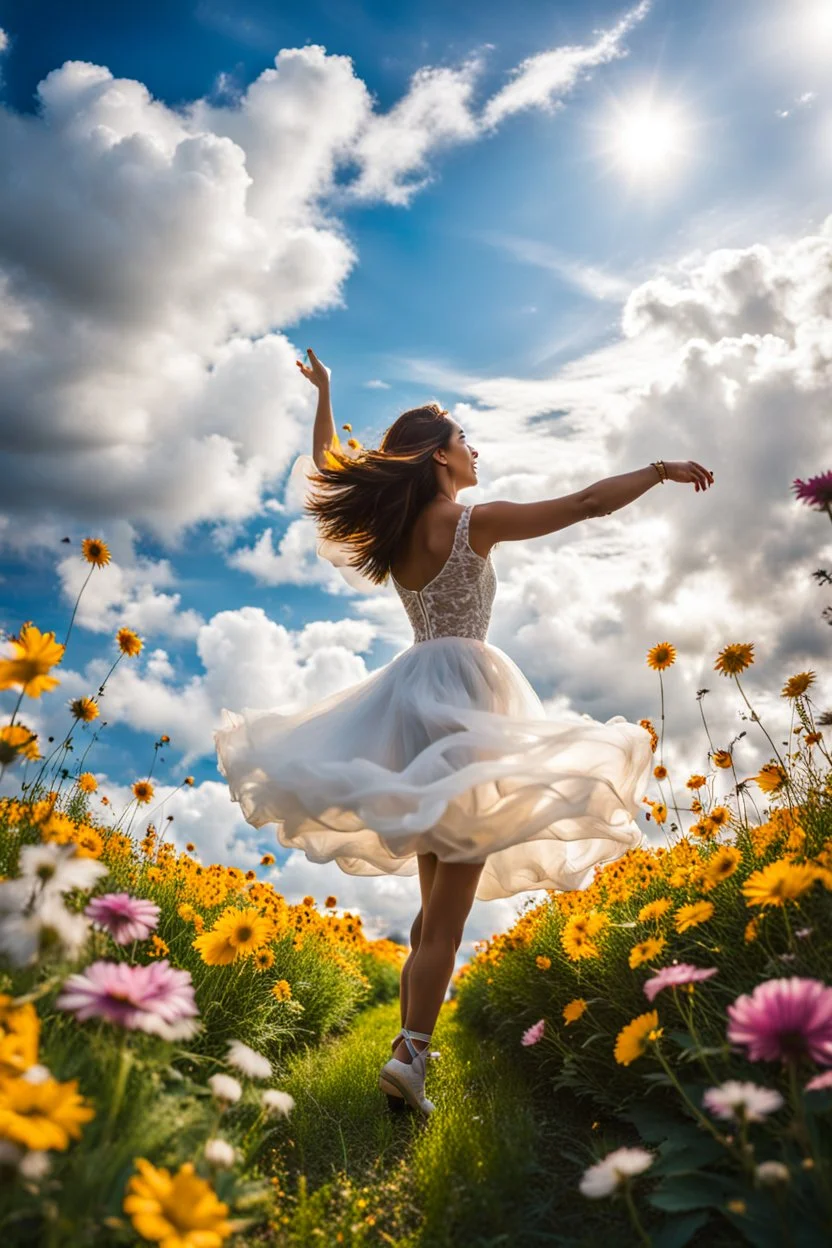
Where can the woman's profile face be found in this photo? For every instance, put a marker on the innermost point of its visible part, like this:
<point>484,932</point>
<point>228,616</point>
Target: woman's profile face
<point>461,458</point>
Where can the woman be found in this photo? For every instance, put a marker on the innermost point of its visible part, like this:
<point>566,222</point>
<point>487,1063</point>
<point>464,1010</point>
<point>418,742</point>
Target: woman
<point>443,761</point>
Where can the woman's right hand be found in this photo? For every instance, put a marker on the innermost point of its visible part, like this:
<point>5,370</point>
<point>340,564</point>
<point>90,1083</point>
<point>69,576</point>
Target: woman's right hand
<point>686,471</point>
<point>318,374</point>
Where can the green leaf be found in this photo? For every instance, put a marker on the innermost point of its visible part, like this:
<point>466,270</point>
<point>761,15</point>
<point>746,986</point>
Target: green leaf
<point>694,1191</point>
<point>676,1232</point>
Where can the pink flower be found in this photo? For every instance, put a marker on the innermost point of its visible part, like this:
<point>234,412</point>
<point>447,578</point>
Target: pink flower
<point>157,998</point>
<point>126,918</point>
<point>819,1082</point>
<point>784,1018</point>
<point>675,976</point>
<point>816,492</point>
<point>534,1033</point>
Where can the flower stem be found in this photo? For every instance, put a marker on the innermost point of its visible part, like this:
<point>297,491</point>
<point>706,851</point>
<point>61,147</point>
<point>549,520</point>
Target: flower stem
<point>633,1212</point>
<point>75,608</point>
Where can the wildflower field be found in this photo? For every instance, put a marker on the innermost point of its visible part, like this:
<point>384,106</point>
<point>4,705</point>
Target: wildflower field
<point>186,1059</point>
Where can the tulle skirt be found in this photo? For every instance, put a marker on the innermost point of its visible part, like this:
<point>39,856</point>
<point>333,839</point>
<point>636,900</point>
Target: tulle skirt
<point>447,749</point>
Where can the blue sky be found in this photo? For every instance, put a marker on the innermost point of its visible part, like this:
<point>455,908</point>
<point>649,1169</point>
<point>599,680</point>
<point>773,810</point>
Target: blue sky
<point>452,202</point>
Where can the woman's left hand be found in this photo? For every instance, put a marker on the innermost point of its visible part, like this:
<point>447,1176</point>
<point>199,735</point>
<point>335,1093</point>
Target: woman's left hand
<point>318,374</point>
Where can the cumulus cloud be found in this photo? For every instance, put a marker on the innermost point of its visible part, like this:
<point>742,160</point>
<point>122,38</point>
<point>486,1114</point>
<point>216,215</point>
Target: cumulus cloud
<point>150,256</point>
<point>127,595</point>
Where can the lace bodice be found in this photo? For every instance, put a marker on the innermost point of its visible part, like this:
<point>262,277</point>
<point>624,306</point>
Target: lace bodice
<point>458,601</point>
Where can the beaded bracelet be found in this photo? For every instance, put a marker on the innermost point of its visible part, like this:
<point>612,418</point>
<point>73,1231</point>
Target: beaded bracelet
<point>658,464</point>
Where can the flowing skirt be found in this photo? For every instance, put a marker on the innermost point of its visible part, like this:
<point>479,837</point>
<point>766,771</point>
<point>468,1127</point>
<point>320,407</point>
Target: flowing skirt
<point>447,750</point>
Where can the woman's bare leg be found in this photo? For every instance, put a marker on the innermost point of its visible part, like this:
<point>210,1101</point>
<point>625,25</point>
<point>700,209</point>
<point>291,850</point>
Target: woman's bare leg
<point>443,922</point>
<point>427,872</point>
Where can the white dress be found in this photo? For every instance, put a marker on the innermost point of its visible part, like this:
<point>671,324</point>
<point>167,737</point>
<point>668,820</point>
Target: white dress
<point>446,749</point>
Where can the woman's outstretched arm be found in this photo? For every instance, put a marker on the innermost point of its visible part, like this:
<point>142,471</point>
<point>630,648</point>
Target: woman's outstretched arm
<point>323,435</point>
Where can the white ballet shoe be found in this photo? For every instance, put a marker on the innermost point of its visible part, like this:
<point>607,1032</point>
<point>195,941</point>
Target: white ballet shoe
<point>407,1080</point>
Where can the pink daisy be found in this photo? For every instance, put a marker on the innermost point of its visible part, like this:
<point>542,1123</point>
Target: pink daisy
<point>157,998</point>
<point>816,492</point>
<point>784,1018</point>
<point>677,975</point>
<point>126,918</point>
<point>534,1033</point>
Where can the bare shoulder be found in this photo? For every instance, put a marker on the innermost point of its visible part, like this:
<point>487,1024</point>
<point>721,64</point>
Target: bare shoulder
<point>504,521</point>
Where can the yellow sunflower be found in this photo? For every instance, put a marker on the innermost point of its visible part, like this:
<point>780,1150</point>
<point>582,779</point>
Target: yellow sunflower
<point>735,658</point>
<point>797,685</point>
<point>661,656</point>
<point>723,863</point>
<point>95,551</point>
<point>143,792</point>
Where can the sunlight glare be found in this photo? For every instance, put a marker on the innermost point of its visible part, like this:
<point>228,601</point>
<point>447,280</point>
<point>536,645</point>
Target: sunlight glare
<point>646,138</point>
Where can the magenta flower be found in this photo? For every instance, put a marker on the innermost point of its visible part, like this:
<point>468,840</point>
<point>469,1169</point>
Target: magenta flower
<point>784,1018</point>
<point>126,918</point>
<point>816,492</point>
<point>534,1033</point>
<point>676,976</point>
<point>157,998</point>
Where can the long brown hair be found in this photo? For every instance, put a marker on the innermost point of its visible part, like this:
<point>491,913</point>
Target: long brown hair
<point>370,500</point>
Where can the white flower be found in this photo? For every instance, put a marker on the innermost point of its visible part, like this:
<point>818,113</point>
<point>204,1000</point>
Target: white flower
<point>24,936</point>
<point>277,1102</point>
<point>253,1064</point>
<point>605,1176</point>
<point>726,1100</point>
<point>220,1153</point>
<point>225,1088</point>
<point>59,868</point>
<point>770,1172</point>
<point>36,1074</point>
<point>35,1166</point>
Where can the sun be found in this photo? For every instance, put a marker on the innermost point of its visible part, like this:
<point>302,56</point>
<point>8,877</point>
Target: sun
<point>646,138</point>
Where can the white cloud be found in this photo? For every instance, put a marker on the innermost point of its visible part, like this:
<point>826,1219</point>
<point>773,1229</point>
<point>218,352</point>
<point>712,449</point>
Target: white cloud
<point>126,595</point>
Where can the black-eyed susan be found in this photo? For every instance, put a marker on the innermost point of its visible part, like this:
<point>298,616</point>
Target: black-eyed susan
<point>129,643</point>
<point>661,656</point>
<point>85,709</point>
<point>719,816</point>
<point>696,781</point>
<point>34,655</point>
<point>236,934</point>
<point>723,759</point>
<point>308,901</point>
<point>735,658</point>
<point>282,990</point>
<point>723,863</point>
<point>543,962</point>
<point>188,780</point>
<point>331,902</point>
<point>267,860</point>
<point>658,811</point>
<point>17,741</point>
<point>770,777</point>
<point>796,686</point>
<point>180,1209</point>
<point>634,1039</point>
<point>190,847</point>
<point>95,551</point>
<point>263,959</point>
<point>574,1010</point>
<point>143,792</point>
<point>660,771</point>
<point>43,1115</point>
<point>655,909</point>
<point>692,915</point>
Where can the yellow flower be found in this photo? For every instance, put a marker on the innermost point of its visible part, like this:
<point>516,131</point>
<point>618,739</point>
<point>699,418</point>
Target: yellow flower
<point>267,860</point>
<point>779,882</point>
<point>263,959</point>
<point>719,816</point>
<point>17,741</point>
<point>661,656</point>
<point>543,962</point>
<point>654,736</point>
<point>179,1211</point>
<point>573,1011</point>
<point>722,758</point>
<point>35,653</point>
<point>770,777</point>
<point>188,780</point>
<point>129,643</point>
<point>89,842</point>
<point>236,934</point>
<point>752,928</point>
<point>735,658</point>
<point>647,950</point>
<point>633,1039</point>
<point>660,771</point>
<point>41,1116</point>
<point>308,901</point>
<point>186,912</point>
<point>654,909</point>
<point>723,863</point>
<point>282,990</point>
<point>159,948</point>
<point>95,551</point>
<point>331,902</point>
<point>143,792</point>
<point>659,811</point>
<point>694,914</point>
<point>87,782</point>
<point>84,708</point>
<point>19,1035</point>
<point>696,782</point>
<point>797,685</point>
